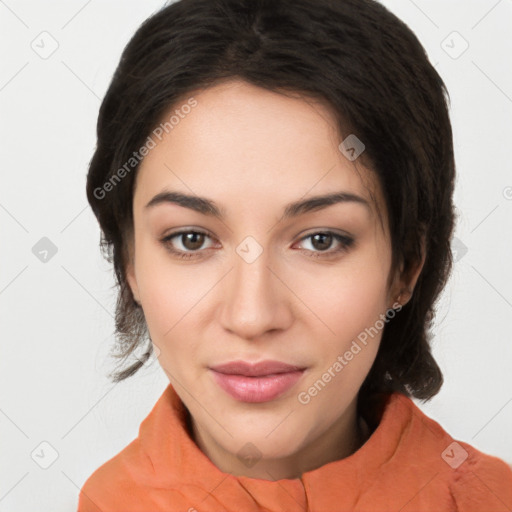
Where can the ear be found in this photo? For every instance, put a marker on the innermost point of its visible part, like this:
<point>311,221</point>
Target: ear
<point>130,275</point>
<point>132,281</point>
<point>405,282</point>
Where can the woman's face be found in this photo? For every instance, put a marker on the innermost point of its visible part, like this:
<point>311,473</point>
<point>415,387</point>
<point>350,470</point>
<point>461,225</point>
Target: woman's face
<point>240,271</point>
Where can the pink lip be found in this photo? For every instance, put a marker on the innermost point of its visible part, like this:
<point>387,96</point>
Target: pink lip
<point>260,382</point>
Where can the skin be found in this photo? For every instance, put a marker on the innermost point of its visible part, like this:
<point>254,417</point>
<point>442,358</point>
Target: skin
<point>252,152</point>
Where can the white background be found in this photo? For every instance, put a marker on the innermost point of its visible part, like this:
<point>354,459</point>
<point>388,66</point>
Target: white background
<point>57,316</point>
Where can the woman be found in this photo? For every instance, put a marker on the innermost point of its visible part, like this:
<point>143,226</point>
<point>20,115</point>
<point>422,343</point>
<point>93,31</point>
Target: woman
<point>274,184</point>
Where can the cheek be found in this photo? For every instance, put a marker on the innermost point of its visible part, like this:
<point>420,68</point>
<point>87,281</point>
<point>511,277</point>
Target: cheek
<point>346,299</point>
<point>336,303</point>
<point>350,305</point>
<point>349,302</point>
<point>171,294</point>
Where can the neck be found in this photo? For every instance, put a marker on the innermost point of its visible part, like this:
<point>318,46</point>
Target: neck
<point>341,439</point>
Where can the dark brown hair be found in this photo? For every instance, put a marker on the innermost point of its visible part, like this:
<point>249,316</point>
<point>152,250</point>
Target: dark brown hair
<point>355,56</point>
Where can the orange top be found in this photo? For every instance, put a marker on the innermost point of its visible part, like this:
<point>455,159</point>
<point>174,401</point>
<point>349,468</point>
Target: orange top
<point>409,463</point>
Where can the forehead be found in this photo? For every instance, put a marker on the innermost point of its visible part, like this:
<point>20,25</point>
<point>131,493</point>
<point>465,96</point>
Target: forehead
<point>242,143</point>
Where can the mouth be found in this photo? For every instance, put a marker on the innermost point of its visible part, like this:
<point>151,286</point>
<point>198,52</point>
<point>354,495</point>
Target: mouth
<point>256,383</point>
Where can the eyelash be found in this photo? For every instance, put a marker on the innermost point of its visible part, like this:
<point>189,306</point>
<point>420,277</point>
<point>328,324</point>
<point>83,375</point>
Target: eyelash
<point>345,241</point>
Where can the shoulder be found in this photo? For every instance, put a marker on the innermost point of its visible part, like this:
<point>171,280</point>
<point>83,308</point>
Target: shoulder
<point>475,480</point>
<point>129,482</point>
<point>113,481</point>
<point>481,481</point>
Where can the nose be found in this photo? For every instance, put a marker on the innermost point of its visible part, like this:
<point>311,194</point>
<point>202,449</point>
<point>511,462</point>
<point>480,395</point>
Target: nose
<point>255,299</point>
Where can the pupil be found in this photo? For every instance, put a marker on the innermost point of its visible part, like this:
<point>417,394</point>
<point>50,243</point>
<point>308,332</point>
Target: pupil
<point>322,236</point>
<point>195,239</point>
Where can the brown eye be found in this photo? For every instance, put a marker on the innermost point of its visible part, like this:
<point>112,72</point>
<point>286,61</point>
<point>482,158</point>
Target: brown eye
<point>321,241</point>
<point>192,241</point>
<point>186,244</point>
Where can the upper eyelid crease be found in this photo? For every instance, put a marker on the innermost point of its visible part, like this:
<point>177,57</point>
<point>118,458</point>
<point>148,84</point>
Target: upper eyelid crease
<point>207,207</point>
<point>346,240</point>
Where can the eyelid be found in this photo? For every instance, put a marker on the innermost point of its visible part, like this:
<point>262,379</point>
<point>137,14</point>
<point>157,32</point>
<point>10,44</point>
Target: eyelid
<point>345,241</point>
<point>185,231</point>
<point>326,231</point>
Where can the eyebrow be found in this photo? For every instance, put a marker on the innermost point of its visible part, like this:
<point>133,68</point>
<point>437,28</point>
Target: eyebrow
<point>208,207</point>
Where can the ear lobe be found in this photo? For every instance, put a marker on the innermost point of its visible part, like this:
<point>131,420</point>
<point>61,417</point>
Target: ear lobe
<point>407,278</point>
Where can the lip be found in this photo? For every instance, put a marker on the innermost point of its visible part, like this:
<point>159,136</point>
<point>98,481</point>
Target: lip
<point>256,382</point>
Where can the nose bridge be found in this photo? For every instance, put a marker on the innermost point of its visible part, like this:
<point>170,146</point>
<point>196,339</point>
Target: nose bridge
<point>251,301</point>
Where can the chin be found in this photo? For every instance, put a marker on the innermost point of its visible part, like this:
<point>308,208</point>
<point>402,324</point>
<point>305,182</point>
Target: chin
<point>271,443</point>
